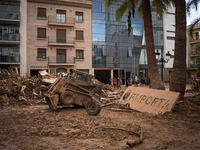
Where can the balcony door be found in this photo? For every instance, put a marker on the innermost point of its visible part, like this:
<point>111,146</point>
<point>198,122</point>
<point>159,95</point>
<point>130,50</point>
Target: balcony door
<point>61,16</point>
<point>61,35</point>
<point>61,56</point>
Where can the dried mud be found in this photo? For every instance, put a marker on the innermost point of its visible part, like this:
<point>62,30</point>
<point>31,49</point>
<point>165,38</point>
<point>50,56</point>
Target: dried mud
<point>36,127</point>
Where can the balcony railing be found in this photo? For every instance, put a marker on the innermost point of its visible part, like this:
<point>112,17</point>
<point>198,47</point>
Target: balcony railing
<point>69,41</point>
<point>53,60</point>
<point>10,16</point>
<point>42,57</point>
<point>10,37</point>
<point>9,59</point>
<point>68,21</point>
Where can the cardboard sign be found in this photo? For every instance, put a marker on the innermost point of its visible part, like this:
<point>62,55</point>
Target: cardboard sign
<point>149,100</point>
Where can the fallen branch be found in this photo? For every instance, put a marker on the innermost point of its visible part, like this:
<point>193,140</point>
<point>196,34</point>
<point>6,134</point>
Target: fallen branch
<point>134,143</point>
<point>137,142</point>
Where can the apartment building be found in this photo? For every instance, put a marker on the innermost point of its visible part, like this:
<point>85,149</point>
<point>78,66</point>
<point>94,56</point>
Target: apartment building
<point>9,34</point>
<point>193,51</point>
<point>57,36</point>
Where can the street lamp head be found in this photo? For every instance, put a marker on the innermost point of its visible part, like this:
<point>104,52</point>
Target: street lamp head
<point>168,55</point>
<point>157,55</point>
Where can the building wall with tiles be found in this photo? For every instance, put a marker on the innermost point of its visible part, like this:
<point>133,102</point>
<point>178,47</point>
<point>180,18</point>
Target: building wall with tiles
<point>33,43</point>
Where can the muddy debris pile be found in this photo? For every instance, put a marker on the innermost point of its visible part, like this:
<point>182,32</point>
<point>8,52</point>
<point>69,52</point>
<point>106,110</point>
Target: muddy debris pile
<point>16,90</point>
<point>109,94</point>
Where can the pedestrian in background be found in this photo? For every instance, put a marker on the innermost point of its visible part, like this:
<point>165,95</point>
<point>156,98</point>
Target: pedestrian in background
<point>119,82</point>
<point>115,82</point>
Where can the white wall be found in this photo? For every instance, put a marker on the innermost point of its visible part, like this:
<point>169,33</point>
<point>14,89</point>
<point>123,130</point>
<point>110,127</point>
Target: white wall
<point>23,37</point>
<point>168,25</point>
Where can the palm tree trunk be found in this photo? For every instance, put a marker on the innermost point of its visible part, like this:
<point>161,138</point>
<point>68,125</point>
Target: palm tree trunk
<point>178,79</point>
<point>155,77</point>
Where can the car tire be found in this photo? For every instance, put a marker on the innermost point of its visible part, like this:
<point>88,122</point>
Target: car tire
<point>93,107</point>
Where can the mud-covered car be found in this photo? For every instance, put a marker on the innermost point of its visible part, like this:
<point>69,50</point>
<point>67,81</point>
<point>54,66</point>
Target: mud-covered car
<point>76,89</point>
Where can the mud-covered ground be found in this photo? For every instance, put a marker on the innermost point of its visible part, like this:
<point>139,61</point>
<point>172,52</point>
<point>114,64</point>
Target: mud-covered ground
<point>38,128</point>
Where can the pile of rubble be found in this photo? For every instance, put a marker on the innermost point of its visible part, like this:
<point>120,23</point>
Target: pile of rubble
<point>109,94</point>
<point>15,89</point>
<point>19,90</point>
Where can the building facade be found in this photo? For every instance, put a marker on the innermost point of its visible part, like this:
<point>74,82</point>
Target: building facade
<point>9,34</point>
<point>193,51</point>
<point>57,36</point>
<point>117,54</point>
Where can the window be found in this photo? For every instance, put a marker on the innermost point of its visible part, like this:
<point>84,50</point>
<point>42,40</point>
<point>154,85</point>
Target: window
<point>170,31</point>
<point>197,36</point>
<point>104,50</point>
<point>79,35</point>
<point>60,16</point>
<point>41,13</point>
<point>41,32</point>
<point>79,16</point>
<point>79,54</point>
<point>170,38</point>
<point>41,53</point>
<point>129,52</point>
<point>61,55</point>
<point>61,35</point>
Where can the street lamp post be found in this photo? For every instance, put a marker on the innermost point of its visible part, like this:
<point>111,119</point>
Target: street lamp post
<point>162,60</point>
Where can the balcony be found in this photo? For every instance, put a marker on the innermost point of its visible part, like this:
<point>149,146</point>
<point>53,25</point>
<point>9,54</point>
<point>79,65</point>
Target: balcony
<point>69,41</point>
<point>194,53</point>
<point>54,61</point>
<point>68,22</point>
<point>9,59</point>
<point>193,41</point>
<point>10,18</point>
<point>11,39</point>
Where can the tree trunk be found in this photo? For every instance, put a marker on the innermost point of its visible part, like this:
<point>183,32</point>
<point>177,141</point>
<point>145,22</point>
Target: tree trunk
<point>155,77</point>
<point>178,79</point>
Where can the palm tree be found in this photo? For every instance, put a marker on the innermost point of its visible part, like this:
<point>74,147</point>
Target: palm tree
<point>156,81</point>
<point>178,79</point>
<point>145,10</point>
<point>191,28</point>
<point>192,4</point>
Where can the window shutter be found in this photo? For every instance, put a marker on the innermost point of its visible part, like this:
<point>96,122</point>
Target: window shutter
<point>42,12</point>
<point>60,11</point>
<point>61,35</point>
<point>61,51</point>
<point>79,13</point>
<point>41,49</point>
<point>79,35</point>
<point>41,32</point>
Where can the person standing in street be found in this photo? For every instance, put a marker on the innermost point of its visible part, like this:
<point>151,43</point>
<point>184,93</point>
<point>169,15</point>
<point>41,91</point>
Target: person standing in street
<point>119,82</point>
<point>114,82</point>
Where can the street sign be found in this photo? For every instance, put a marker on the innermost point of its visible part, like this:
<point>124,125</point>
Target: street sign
<point>149,100</point>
